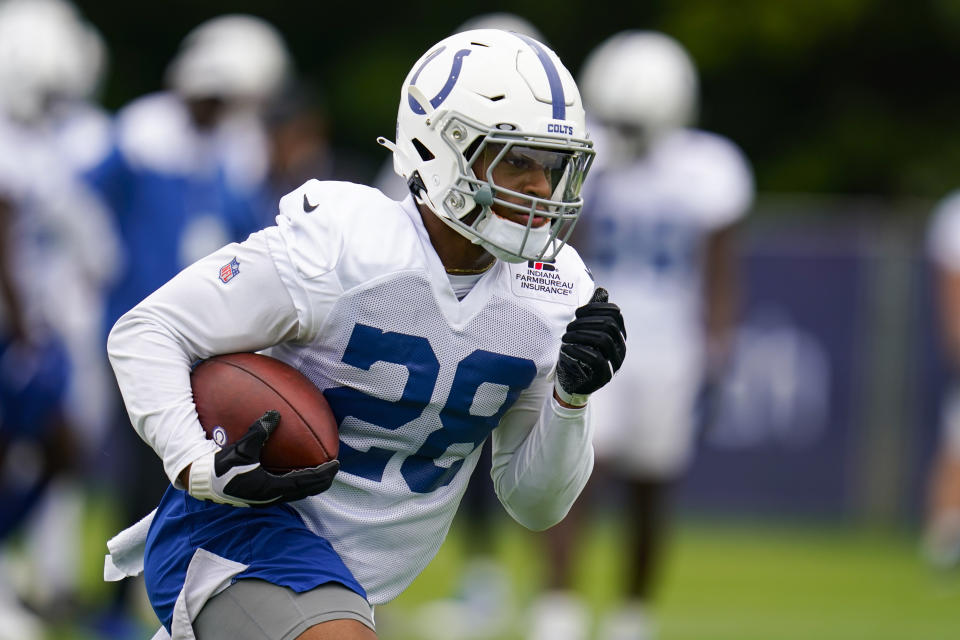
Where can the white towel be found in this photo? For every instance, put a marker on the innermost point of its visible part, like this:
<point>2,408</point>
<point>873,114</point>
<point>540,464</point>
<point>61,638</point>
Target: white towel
<point>126,551</point>
<point>161,634</point>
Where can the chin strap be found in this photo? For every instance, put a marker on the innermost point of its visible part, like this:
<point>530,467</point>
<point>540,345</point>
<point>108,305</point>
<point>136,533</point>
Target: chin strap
<point>417,188</point>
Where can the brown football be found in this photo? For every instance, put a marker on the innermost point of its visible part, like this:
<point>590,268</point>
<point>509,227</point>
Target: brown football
<point>232,391</point>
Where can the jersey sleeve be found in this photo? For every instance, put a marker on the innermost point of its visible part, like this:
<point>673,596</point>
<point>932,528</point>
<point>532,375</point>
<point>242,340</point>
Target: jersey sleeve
<point>307,247</point>
<point>194,316</point>
<point>310,229</point>
<point>723,176</point>
<point>542,457</point>
<point>245,297</point>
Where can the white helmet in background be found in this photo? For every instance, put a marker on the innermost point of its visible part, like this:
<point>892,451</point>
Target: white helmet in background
<point>47,52</point>
<point>641,84</point>
<point>501,94</point>
<point>234,57</point>
<point>96,60</point>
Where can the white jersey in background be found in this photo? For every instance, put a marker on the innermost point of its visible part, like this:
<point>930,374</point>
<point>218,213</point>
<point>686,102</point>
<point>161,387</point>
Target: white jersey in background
<point>644,233</point>
<point>350,290</point>
<point>63,253</point>
<point>943,248</point>
<point>943,234</point>
<point>83,134</point>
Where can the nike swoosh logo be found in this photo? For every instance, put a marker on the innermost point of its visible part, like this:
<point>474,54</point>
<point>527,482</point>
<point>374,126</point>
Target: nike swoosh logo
<point>307,207</point>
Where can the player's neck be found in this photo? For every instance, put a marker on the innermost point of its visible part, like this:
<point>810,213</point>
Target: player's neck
<point>458,255</point>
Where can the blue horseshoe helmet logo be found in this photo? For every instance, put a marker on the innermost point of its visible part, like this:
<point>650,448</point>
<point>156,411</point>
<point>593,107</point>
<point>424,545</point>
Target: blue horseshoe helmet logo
<point>445,90</point>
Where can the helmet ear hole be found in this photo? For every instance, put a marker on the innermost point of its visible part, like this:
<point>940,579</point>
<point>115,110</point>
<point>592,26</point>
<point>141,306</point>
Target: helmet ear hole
<point>421,148</point>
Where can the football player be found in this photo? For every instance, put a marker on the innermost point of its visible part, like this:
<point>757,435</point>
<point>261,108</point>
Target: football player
<point>941,542</point>
<point>483,602</point>
<point>186,161</point>
<point>430,325</point>
<point>57,254</point>
<point>49,60</point>
<point>664,203</point>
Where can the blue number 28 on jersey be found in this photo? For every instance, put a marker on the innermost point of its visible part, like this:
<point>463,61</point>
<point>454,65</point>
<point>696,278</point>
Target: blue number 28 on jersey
<point>369,345</point>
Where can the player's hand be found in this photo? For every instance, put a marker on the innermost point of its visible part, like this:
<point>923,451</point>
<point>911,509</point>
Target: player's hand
<point>591,350</point>
<point>233,474</point>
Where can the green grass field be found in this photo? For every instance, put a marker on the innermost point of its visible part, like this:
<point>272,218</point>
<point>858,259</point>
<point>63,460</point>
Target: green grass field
<point>727,581</point>
<point>722,580</point>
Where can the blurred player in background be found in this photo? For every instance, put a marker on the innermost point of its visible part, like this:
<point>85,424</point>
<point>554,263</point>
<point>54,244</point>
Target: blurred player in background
<point>662,209</point>
<point>187,163</point>
<point>941,543</point>
<point>186,168</point>
<point>51,61</point>
<point>57,254</point>
<point>430,324</point>
<point>299,130</point>
<point>185,174</point>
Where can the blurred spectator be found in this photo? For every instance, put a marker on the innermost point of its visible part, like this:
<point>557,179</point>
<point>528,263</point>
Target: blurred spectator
<point>658,231</point>
<point>941,543</point>
<point>58,253</point>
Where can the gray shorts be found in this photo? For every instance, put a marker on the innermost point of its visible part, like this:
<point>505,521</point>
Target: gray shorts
<point>257,610</point>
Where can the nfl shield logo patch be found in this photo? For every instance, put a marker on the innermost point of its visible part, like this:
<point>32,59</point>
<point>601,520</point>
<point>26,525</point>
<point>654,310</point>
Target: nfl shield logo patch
<point>229,270</point>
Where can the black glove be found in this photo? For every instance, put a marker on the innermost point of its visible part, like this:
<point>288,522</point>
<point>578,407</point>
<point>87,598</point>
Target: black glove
<point>233,475</point>
<point>592,349</point>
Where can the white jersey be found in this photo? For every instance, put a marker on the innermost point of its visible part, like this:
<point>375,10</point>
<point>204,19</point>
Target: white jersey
<point>61,242</point>
<point>156,134</point>
<point>83,134</point>
<point>943,233</point>
<point>943,248</point>
<point>646,225</point>
<point>348,289</point>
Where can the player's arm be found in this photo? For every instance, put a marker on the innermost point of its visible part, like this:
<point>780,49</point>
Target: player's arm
<point>948,296</point>
<point>542,457</point>
<point>8,291</point>
<point>721,294</point>
<point>542,449</point>
<point>209,308</point>
<point>943,246</point>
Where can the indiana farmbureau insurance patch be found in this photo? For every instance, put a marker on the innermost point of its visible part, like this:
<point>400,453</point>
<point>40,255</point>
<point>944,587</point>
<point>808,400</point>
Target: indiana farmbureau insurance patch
<point>541,281</point>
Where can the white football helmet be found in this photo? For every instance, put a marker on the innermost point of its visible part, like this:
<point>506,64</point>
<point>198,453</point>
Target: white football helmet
<point>95,57</point>
<point>495,94</point>
<point>641,84</point>
<point>47,52</point>
<point>235,57</point>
